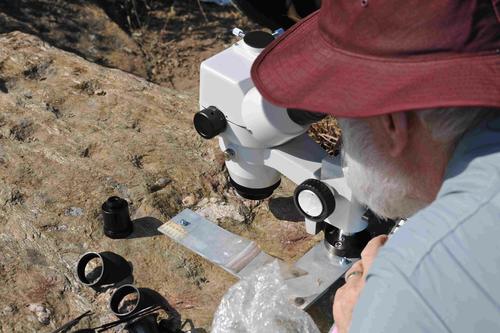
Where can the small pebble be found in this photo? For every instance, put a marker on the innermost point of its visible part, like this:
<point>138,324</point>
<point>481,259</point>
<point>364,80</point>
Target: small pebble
<point>159,184</point>
<point>41,312</point>
<point>189,201</point>
<point>73,211</point>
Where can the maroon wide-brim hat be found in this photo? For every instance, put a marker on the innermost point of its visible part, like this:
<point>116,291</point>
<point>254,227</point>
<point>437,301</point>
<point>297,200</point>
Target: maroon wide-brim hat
<point>359,58</point>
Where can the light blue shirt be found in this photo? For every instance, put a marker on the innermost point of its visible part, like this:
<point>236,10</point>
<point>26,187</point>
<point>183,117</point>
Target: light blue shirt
<point>440,272</point>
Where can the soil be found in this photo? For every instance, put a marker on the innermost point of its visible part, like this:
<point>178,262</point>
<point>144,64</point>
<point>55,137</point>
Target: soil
<point>176,36</point>
<point>162,41</point>
<point>73,133</point>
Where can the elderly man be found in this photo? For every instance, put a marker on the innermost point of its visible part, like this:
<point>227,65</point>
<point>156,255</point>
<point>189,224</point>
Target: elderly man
<point>416,88</point>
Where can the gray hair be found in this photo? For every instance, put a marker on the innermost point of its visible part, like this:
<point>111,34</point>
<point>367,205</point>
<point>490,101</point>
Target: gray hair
<point>450,124</point>
<point>388,190</point>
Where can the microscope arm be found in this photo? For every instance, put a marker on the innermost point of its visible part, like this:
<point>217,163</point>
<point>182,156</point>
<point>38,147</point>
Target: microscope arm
<point>298,160</point>
<point>302,159</point>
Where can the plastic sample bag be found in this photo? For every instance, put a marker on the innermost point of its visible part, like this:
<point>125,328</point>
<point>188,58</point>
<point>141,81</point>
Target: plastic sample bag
<point>260,302</point>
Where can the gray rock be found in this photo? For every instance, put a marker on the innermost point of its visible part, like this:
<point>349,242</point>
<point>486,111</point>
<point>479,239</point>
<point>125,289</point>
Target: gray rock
<point>159,184</point>
<point>218,210</point>
<point>73,211</point>
<point>41,312</point>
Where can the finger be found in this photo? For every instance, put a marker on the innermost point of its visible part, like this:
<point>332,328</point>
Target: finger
<point>371,249</point>
<point>337,298</point>
<point>336,303</point>
<point>338,293</point>
<point>354,277</point>
<point>356,267</point>
<point>345,300</point>
<point>370,252</point>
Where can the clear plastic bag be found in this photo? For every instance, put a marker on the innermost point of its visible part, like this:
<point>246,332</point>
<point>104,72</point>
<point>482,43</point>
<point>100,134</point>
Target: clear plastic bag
<point>260,302</point>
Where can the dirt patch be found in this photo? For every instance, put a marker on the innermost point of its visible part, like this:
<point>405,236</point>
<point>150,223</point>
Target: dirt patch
<point>22,131</point>
<point>163,41</point>
<point>78,26</point>
<point>90,87</point>
<point>192,270</point>
<point>176,36</point>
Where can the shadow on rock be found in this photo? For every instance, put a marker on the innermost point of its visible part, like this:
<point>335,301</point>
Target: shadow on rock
<point>145,227</point>
<point>283,208</point>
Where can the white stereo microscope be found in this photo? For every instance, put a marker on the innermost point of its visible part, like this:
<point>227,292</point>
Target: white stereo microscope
<point>261,142</point>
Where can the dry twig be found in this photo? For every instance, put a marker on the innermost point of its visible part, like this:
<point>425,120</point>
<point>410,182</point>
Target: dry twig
<point>202,11</point>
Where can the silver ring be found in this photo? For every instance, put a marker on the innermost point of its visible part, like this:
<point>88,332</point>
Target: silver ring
<point>353,274</point>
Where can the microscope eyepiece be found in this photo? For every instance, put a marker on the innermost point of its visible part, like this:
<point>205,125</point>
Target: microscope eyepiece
<point>304,118</point>
<point>210,122</point>
<point>116,216</point>
<point>258,39</point>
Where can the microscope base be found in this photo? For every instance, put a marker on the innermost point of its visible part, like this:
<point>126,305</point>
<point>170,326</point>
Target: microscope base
<point>307,279</point>
<point>345,245</point>
<point>323,270</point>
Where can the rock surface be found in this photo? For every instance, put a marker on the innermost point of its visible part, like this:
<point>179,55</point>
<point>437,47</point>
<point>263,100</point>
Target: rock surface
<point>73,133</point>
<point>161,40</point>
<point>82,27</point>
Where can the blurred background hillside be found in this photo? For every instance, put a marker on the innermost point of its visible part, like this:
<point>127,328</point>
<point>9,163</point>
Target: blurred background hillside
<point>163,41</point>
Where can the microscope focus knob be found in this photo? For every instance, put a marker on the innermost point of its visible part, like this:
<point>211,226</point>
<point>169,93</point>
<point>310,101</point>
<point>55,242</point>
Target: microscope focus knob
<point>314,199</point>
<point>209,122</point>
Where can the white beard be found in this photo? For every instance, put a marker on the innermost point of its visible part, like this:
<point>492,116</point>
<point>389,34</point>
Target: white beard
<point>373,180</point>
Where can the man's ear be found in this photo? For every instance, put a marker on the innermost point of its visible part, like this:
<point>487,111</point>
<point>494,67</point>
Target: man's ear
<point>395,126</point>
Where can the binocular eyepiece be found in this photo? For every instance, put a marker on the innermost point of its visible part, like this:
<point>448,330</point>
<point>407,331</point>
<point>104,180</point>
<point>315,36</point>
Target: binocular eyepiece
<point>211,121</point>
<point>304,118</point>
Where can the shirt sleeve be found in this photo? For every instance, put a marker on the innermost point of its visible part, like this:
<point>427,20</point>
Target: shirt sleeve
<point>389,303</point>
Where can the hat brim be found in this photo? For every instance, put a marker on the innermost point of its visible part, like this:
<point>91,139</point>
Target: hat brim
<point>303,70</point>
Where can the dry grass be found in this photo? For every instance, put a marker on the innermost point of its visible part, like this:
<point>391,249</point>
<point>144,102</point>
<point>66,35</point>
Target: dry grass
<point>327,134</point>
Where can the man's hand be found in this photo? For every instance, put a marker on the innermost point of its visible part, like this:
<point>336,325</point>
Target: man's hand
<point>347,296</point>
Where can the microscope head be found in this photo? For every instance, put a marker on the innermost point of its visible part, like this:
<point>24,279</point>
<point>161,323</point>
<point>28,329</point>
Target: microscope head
<point>247,124</point>
<point>262,141</point>
<point>227,93</point>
